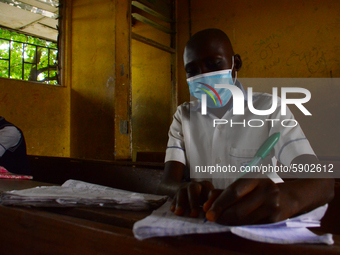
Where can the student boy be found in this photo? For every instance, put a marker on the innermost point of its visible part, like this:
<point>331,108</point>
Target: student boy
<point>12,148</point>
<point>192,142</point>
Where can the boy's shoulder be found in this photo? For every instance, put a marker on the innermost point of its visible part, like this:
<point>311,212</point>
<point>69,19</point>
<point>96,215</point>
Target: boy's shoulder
<point>189,106</point>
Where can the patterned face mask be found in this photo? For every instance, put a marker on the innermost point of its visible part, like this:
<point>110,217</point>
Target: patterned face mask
<point>205,84</point>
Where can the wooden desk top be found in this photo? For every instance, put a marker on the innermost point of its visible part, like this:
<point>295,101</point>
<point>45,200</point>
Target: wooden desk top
<point>108,231</point>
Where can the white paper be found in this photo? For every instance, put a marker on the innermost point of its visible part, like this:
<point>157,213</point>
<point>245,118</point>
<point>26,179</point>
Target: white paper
<point>163,222</point>
<point>78,193</point>
<point>282,235</point>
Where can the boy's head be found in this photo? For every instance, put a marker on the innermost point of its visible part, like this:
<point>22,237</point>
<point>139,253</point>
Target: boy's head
<point>209,50</point>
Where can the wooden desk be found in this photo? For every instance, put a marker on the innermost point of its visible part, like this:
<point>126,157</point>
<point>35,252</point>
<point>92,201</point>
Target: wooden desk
<point>108,231</point>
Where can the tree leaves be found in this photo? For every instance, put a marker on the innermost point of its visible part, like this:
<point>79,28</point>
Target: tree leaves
<point>27,58</point>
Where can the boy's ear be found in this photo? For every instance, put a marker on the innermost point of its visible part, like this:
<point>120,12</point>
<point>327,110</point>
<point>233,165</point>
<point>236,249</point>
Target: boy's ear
<point>238,62</point>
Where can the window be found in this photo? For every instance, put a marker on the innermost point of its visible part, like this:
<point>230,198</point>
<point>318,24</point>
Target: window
<point>27,58</point>
<point>28,40</point>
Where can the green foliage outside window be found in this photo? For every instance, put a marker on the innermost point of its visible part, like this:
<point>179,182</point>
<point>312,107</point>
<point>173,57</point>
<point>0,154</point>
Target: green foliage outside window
<point>27,58</point>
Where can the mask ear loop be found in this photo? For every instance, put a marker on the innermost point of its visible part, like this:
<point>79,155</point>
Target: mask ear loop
<point>234,81</point>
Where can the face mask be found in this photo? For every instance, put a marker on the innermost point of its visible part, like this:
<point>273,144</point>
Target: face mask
<point>205,84</point>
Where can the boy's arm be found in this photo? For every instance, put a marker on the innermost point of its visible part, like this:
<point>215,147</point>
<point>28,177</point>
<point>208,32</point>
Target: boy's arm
<point>249,201</point>
<point>171,179</point>
<point>186,196</point>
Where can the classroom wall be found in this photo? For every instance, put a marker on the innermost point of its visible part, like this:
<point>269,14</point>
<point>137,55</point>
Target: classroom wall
<point>76,120</point>
<point>281,39</point>
<point>93,79</point>
<point>41,112</point>
<point>151,90</point>
<point>278,39</point>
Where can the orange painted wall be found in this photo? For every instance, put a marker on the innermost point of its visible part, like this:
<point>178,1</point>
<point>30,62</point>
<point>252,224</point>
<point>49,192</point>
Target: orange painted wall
<point>78,120</point>
<point>41,112</point>
<point>151,91</point>
<point>279,39</point>
<point>93,79</point>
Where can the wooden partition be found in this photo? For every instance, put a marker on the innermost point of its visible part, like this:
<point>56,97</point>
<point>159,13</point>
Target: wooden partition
<point>138,177</point>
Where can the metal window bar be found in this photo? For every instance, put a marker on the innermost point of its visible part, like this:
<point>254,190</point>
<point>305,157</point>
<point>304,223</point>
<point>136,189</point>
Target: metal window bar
<point>5,59</point>
<point>23,57</point>
<point>9,59</point>
<point>22,66</point>
<point>48,65</point>
<point>34,64</point>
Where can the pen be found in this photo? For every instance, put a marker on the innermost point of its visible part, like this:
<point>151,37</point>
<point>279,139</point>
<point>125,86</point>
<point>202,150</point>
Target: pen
<point>262,152</point>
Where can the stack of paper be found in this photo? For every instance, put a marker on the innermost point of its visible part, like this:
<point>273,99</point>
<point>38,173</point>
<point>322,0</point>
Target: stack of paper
<point>78,193</point>
<point>163,222</point>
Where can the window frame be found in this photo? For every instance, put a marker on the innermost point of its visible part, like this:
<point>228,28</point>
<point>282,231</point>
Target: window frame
<point>61,47</point>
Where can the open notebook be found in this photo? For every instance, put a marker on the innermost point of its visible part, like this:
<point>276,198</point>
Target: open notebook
<point>163,222</point>
<point>78,193</point>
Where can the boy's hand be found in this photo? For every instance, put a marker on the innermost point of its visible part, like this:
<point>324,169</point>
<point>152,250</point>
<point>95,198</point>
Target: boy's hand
<point>190,196</point>
<point>248,201</point>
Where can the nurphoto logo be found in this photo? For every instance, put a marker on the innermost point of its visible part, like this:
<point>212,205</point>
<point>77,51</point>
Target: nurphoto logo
<point>238,104</point>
